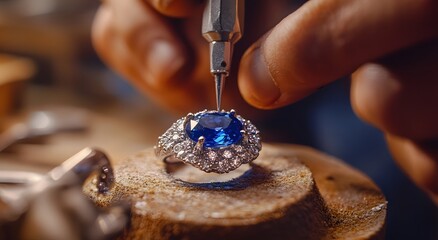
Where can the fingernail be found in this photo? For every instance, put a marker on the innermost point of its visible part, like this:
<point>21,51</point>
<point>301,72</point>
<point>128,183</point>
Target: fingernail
<point>262,87</point>
<point>164,62</point>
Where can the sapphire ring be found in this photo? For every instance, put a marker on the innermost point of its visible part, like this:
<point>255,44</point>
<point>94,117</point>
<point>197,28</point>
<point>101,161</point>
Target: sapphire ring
<point>213,141</point>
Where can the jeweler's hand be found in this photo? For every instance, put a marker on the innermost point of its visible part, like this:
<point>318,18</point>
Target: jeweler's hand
<point>392,48</point>
<point>158,46</point>
<point>150,49</point>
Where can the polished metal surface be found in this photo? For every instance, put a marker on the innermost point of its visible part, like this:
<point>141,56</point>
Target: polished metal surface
<point>223,20</point>
<point>222,27</point>
<point>54,206</point>
<point>43,123</point>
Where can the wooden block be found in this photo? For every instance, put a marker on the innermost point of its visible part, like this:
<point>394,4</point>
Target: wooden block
<point>289,192</point>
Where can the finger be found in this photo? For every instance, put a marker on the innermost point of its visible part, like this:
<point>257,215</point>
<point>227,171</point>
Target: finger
<point>139,43</point>
<point>418,160</point>
<point>142,37</point>
<point>176,8</point>
<point>326,39</point>
<point>399,94</point>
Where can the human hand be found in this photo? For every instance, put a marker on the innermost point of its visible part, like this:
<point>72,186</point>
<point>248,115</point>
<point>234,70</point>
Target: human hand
<point>158,46</point>
<point>391,46</point>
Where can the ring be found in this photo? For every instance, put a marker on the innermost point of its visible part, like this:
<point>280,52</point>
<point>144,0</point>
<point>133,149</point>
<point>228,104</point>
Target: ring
<point>213,141</point>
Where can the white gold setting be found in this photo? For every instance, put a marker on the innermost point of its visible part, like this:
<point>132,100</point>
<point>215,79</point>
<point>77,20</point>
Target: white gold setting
<point>175,144</point>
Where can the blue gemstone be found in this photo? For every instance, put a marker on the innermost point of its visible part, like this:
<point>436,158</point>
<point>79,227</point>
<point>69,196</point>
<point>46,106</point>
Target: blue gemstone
<point>220,129</point>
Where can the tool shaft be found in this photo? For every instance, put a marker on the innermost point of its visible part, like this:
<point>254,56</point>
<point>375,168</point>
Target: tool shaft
<point>222,27</point>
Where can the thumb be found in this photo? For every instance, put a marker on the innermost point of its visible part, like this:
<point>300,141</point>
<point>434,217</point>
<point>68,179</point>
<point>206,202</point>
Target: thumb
<point>326,39</point>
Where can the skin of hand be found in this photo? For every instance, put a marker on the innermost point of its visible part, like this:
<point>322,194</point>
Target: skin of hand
<point>389,46</point>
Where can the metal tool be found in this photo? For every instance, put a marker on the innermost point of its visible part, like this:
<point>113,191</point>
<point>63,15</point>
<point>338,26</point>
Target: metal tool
<point>222,26</point>
<point>67,214</point>
<point>43,123</point>
<point>74,170</point>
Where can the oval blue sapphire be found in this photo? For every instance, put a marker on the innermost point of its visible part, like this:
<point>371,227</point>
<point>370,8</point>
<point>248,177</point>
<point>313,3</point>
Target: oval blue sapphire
<point>220,129</point>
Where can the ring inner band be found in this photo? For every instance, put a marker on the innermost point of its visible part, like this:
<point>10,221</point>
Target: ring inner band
<point>189,174</point>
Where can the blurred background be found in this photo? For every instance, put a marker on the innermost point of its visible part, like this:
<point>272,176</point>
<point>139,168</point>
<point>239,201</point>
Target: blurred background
<point>47,64</point>
<point>57,97</point>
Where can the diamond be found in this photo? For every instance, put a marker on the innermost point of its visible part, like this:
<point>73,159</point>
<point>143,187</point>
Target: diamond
<point>238,148</point>
<point>168,146</point>
<point>175,137</point>
<point>236,162</point>
<point>212,155</point>
<point>177,148</point>
<point>191,158</point>
<point>227,154</point>
<point>220,129</point>
<point>186,145</point>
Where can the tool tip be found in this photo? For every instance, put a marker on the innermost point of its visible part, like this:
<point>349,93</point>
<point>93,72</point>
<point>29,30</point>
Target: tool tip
<point>219,79</point>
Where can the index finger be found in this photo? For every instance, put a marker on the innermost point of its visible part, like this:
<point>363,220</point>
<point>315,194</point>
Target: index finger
<point>327,39</point>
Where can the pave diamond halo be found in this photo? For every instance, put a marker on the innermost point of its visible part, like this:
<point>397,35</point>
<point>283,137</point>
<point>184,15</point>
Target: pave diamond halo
<point>213,141</point>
